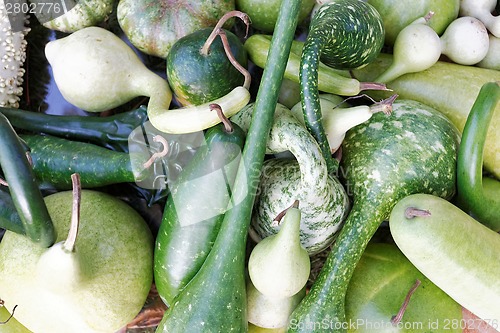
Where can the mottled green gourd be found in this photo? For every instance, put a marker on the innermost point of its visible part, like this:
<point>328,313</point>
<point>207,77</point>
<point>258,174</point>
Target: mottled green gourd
<point>323,199</point>
<point>342,39</point>
<point>383,160</point>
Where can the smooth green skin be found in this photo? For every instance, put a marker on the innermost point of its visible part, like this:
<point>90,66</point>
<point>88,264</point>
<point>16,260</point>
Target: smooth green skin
<point>478,196</point>
<point>397,14</point>
<point>215,299</point>
<point>115,249</point>
<point>55,159</point>
<point>264,13</point>
<point>9,217</point>
<point>457,253</point>
<point>12,326</point>
<point>154,26</point>
<point>449,88</point>
<point>23,187</point>
<point>186,236</point>
<point>196,78</point>
<point>379,286</point>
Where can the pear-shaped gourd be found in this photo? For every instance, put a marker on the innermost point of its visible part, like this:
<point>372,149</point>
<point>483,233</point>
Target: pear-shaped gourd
<point>96,280</point>
<point>270,312</point>
<point>96,71</point>
<point>416,48</point>
<point>279,265</point>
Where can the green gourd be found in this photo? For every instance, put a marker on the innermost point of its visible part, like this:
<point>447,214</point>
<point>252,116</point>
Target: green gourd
<point>383,160</point>
<point>342,39</point>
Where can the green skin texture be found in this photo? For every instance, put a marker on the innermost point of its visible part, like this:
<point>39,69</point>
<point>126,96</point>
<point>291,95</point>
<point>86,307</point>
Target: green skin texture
<point>113,244</point>
<point>379,286</point>
<point>9,218</point>
<point>383,160</point>
<point>397,14</point>
<point>184,241</point>
<point>341,39</point>
<point>196,78</point>
<point>264,13</point>
<point>55,159</point>
<point>154,26</point>
<point>478,195</point>
<point>449,88</point>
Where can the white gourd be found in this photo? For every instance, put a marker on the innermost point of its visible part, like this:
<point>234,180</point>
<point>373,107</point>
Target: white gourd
<point>482,10</point>
<point>492,58</point>
<point>465,41</point>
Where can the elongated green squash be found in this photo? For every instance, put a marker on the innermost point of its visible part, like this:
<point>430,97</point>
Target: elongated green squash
<point>456,252</point>
<point>215,299</point>
<point>194,210</point>
<point>383,160</point>
<point>450,89</point>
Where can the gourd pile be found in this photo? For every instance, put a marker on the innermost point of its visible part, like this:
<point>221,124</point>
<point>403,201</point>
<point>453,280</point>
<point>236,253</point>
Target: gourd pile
<point>252,166</point>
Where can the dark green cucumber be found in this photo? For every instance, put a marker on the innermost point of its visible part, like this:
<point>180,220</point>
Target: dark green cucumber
<point>340,38</point>
<point>473,191</point>
<point>194,210</point>
<point>23,187</point>
<point>197,78</point>
<point>110,132</point>
<point>215,299</point>
<point>55,159</point>
<point>383,160</point>
<point>9,218</point>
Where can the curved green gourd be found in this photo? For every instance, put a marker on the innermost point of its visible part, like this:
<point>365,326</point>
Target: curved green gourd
<point>383,160</point>
<point>343,39</point>
<point>478,195</point>
<point>215,299</point>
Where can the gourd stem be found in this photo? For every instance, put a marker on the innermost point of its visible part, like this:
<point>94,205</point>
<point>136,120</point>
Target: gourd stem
<point>227,124</point>
<point>234,13</point>
<point>69,244</point>
<point>397,318</point>
<point>279,217</point>
<point>412,212</point>
<point>232,59</point>
<point>373,86</point>
<point>384,105</point>
<point>162,153</point>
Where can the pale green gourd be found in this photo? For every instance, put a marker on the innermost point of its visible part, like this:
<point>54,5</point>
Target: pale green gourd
<point>96,71</point>
<point>465,41</point>
<point>482,10</point>
<point>492,58</point>
<point>279,265</point>
<point>416,48</point>
<point>270,312</point>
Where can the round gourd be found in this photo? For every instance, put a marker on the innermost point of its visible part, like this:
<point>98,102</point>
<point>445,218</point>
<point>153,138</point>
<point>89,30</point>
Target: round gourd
<point>196,78</point>
<point>153,26</point>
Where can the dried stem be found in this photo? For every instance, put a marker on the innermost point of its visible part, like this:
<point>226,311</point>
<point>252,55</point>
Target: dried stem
<point>69,244</point>
<point>11,315</point>
<point>384,105</point>
<point>412,212</point>
<point>232,59</point>
<point>228,126</point>
<point>397,318</point>
<point>278,217</point>
<point>234,13</point>
<point>162,153</point>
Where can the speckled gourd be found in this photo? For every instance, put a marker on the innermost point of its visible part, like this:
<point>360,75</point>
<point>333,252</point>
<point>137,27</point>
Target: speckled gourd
<point>323,200</point>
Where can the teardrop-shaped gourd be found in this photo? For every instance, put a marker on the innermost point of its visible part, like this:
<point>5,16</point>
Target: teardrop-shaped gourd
<point>416,48</point>
<point>270,312</point>
<point>279,265</point>
<point>465,41</point>
<point>96,71</point>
